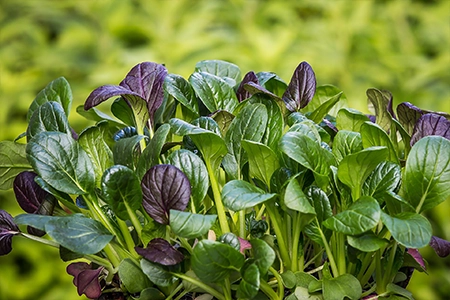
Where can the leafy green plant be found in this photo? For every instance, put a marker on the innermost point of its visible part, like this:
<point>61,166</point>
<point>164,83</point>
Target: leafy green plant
<point>229,188</point>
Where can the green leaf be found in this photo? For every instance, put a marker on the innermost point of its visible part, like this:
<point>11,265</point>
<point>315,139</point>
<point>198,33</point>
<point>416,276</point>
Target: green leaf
<point>122,111</point>
<point>304,279</point>
<point>151,294</point>
<point>157,273</point>
<point>182,91</point>
<point>59,91</point>
<point>189,225</point>
<point>125,150</point>
<point>262,160</point>
<point>152,230</point>
<point>350,119</point>
<point>323,94</point>
<point>408,229</point>
<point>361,216</point>
<point>249,285</point>
<point>195,170</point>
<point>295,199</point>
<point>396,204</point>
<point>309,154</point>
<point>78,233</point>
<point>121,190</point>
<point>398,290</point>
<point>385,178</point>
<point>212,261</point>
<point>50,116</point>
<point>33,220</point>
<point>214,92</point>
<point>346,142</point>
<point>289,279</point>
<point>61,162</point>
<point>96,115</point>
<point>151,154</point>
<point>13,161</point>
<point>427,173</point>
<point>320,112</point>
<point>367,242</point>
<point>93,142</point>
<point>380,102</point>
<point>239,194</point>
<point>354,169</point>
<point>132,276</point>
<point>220,68</point>
<point>341,287</point>
<point>264,256</point>
<point>373,135</point>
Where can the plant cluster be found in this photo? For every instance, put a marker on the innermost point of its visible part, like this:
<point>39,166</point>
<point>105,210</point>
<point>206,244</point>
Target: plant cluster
<point>229,188</point>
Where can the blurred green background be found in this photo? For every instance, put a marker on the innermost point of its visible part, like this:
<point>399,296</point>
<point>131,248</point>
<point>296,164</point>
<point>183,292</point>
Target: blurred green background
<point>399,45</point>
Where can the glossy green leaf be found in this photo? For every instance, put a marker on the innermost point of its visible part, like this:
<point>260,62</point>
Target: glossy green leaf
<point>151,154</point>
<point>427,173</point>
<point>384,178</point>
<point>125,151</point>
<point>223,120</point>
<point>78,233</point>
<point>361,216</point>
<point>249,285</point>
<point>59,91</point>
<point>220,68</point>
<point>373,135</point>
<point>152,230</point>
<point>50,116</point>
<point>408,229</point>
<point>158,274</point>
<point>262,160</point>
<point>214,261</point>
<point>231,239</point>
<point>346,142</point>
<point>189,225</point>
<point>350,119</point>
<point>239,194</point>
<point>308,128</point>
<point>295,198</point>
<point>121,190</point>
<point>13,161</point>
<point>264,256</point>
<point>195,170</point>
<point>93,142</point>
<point>151,294</point>
<point>97,115</point>
<point>61,162</point>
<point>320,112</point>
<point>396,204</point>
<point>323,94</point>
<point>380,102</point>
<point>394,289</point>
<point>181,89</point>
<point>213,91</point>
<point>33,220</point>
<point>122,110</point>
<point>342,287</point>
<point>368,242</point>
<point>354,169</point>
<point>132,276</point>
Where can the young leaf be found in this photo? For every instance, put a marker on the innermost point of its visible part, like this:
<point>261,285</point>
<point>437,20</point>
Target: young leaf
<point>241,92</point>
<point>361,216</point>
<point>385,178</point>
<point>220,68</point>
<point>7,230</point>
<point>346,142</point>
<point>125,150</point>
<point>408,229</point>
<point>249,285</point>
<point>295,199</point>
<point>320,112</point>
<point>440,246</point>
<point>272,82</point>
<point>368,242</point>
<point>350,119</point>
<point>157,273</point>
<point>264,256</point>
<point>162,252</point>
<point>181,89</point>
<point>262,160</point>
<point>132,276</point>
<point>121,190</point>
<point>301,88</point>
<point>50,116</point>
<point>352,172</point>
<point>13,161</point>
<point>59,91</point>
<point>194,168</point>
<point>239,194</point>
<point>430,124</point>
<point>189,225</point>
<point>427,173</point>
<point>164,188</point>
<point>380,102</point>
<point>61,162</point>
<point>121,109</point>
<point>212,261</point>
<point>341,287</point>
<point>97,116</point>
<point>325,93</point>
<point>373,135</point>
<point>408,115</point>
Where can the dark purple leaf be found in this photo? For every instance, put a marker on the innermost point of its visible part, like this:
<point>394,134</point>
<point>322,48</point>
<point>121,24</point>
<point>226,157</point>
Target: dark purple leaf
<point>430,124</point>
<point>330,125</point>
<point>415,254</point>
<point>164,187</point>
<point>390,108</point>
<point>440,246</point>
<point>241,92</point>
<point>255,88</point>
<point>408,114</point>
<point>301,89</point>
<point>28,193</point>
<point>86,279</point>
<point>7,229</point>
<point>105,92</point>
<point>372,118</point>
<point>161,251</point>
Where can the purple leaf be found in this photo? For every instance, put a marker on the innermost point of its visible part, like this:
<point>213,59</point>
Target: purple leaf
<point>440,246</point>
<point>372,118</point>
<point>301,89</point>
<point>408,114</point>
<point>244,245</point>
<point>330,125</point>
<point>7,229</point>
<point>415,254</point>
<point>161,251</point>
<point>164,187</point>
<point>390,109</point>
<point>28,193</point>
<point>105,92</point>
<point>430,124</point>
<point>241,92</point>
<point>86,279</point>
<point>255,88</point>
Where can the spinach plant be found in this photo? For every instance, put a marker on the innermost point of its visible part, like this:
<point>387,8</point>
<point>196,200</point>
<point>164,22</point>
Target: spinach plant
<point>234,188</point>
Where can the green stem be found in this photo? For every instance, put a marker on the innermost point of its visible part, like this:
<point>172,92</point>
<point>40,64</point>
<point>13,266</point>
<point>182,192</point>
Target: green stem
<point>378,274</point>
<point>388,271</point>
<point>201,285</point>
<point>227,289</point>
<point>296,239</point>
<point>218,199</point>
<point>333,266</point>
<point>279,282</point>
<point>112,255</point>
<point>186,245</point>
<point>265,287</point>
<point>175,291</point>
<point>134,220</point>
<point>127,236</point>
<point>341,253</point>
<point>39,239</point>
<point>275,218</point>
<point>242,224</point>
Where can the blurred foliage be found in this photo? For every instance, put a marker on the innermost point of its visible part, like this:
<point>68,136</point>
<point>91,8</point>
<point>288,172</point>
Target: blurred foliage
<point>402,46</point>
